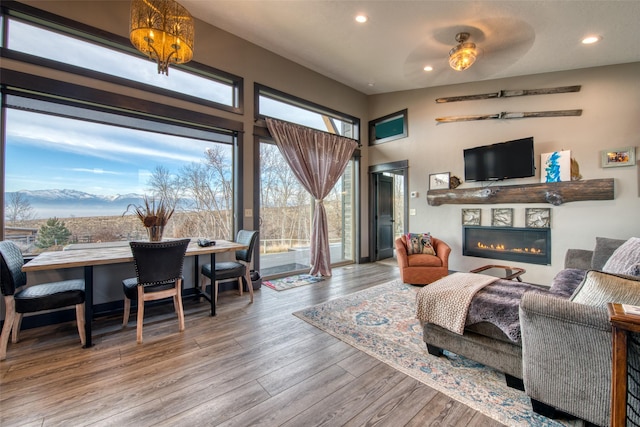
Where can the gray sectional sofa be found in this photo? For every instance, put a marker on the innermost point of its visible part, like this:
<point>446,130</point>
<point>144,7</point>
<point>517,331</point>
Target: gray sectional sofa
<point>562,358</point>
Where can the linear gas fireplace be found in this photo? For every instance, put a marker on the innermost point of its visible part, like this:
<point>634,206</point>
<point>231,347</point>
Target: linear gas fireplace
<point>530,245</point>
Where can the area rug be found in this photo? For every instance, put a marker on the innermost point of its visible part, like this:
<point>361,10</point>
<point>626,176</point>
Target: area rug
<point>381,322</point>
<point>292,282</point>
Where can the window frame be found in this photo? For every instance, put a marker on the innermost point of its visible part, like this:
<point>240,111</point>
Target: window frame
<point>402,115</point>
<point>14,10</point>
<point>275,94</point>
<point>42,88</point>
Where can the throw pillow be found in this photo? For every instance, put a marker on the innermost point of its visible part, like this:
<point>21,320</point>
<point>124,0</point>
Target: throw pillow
<point>598,288</point>
<point>625,259</point>
<point>603,251</point>
<point>419,243</point>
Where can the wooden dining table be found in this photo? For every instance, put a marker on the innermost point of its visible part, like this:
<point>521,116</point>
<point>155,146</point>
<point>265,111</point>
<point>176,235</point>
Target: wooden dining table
<point>88,258</point>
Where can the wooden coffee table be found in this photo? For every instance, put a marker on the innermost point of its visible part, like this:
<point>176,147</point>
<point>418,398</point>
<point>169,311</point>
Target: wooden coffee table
<point>506,272</point>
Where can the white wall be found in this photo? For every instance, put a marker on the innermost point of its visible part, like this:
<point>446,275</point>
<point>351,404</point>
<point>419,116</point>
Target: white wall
<point>610,100</point>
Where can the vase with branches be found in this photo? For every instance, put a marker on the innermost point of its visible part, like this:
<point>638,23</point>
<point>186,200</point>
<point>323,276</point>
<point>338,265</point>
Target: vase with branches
<point>154,215</point>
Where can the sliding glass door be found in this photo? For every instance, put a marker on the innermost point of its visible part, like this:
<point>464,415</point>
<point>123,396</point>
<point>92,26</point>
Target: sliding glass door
<point>286,215</point>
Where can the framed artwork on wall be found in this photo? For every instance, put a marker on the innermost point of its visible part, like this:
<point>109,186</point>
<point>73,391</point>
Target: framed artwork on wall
<point>625,156</point>
<point>556,166</point>
<point>537,217</point>
<point>439,181</point>
<point>471,216</point>
<point>502,217</point>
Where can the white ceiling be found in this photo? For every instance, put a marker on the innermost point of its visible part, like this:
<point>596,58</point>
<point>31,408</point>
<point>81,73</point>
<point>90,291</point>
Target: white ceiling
<point>389,52</point>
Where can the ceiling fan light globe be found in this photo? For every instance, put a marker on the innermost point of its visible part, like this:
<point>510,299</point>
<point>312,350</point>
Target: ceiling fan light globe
<point>462,56</point>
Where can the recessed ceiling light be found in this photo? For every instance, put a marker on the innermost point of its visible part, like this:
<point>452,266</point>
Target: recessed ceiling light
<point>591,39</point>
<point>428,68</point>
<point>362,19</point>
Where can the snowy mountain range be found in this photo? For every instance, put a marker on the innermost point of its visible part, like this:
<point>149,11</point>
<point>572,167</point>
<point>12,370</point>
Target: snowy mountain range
<point>66,203</point>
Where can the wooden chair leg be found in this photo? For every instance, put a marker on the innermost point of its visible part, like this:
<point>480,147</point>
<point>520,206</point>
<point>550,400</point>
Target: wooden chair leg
<point>17,323</point>
<point>80,323</point>
<point>127,311</point>
<point>240,285</point>
<point>140,314</point>
<point>178,304</point>
<point>203,284</point>
<point>249,283</point>
<point>9,315</point>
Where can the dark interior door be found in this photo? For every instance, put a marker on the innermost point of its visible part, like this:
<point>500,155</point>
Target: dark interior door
<point>384,217</point>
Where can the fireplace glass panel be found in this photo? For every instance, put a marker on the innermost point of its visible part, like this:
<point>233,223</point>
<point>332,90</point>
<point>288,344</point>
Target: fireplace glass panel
<point>529,245</point>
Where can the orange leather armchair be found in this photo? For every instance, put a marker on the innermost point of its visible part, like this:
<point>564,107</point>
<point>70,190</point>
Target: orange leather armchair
<point>422,269</point>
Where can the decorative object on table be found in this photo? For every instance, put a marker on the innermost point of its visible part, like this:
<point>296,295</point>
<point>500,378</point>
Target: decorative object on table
<point>537,217</point>
<point>454,182</point>
<point>381,321</point>
<point>510,115</point>
<point>439,181</point>
<point>625,156</point>
<point>502,217</point>
<point>292,282</point>
<point>510,93</point>
<point>471,216</point>
<point>163,30</point>
<point>556,166</point>
<point>154,216</point>
<point>575,170</point>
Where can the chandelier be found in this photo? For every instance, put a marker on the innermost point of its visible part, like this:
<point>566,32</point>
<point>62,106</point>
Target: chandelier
<point>163,30</point>
<point>464,55</point>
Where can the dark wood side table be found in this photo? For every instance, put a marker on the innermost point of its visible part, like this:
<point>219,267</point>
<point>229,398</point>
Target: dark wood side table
<point>510,273</point>
<point>621,323</point>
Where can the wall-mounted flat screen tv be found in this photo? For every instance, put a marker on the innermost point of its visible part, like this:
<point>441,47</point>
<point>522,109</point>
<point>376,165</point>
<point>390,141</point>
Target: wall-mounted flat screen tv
<point>504,160</point>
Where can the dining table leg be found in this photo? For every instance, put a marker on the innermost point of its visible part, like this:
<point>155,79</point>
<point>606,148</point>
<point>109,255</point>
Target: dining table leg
<point>209,297</point>
<point>213,281</point>
<point>88,304</point>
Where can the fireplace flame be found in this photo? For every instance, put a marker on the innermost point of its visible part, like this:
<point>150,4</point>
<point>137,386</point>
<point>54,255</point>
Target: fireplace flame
<point>501,247</point>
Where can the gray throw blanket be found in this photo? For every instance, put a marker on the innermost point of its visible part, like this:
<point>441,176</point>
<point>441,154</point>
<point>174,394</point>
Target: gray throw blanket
<point>498,302</point>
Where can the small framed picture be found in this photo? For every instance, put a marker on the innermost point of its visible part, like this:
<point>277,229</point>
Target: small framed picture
<point>537,217</point>
<point>502,217</point>
<point>625,156</point>
<point>439,181</point>
<point>471,216</point>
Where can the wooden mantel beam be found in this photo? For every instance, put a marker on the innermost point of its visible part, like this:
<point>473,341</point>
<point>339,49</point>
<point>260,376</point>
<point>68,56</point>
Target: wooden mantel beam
<point>555,193</point>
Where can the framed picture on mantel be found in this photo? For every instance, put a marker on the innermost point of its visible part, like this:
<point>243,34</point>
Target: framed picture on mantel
<point>439,181</point>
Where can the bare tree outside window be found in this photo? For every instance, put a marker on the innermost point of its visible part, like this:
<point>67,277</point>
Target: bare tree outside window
<point>18,208</point>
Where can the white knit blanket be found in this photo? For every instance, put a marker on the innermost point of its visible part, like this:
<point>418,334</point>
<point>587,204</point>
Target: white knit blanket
<point>445,302</point>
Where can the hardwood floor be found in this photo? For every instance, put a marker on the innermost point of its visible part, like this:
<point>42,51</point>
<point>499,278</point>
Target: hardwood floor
<point>252,364</point>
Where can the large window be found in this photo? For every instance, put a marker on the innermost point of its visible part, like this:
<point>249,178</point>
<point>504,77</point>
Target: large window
<point>71,175</point>
<point>34,40</point>
<point>77,159</point>
<point>286,208</point>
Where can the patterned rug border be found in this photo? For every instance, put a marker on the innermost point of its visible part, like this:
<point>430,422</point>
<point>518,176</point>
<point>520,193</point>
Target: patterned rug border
<point>529,419</point>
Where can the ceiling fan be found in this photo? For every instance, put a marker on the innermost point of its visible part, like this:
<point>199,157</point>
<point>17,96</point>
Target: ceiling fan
<point>499,43</point>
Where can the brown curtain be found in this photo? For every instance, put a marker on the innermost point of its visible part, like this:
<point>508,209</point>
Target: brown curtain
<point>318,159</point>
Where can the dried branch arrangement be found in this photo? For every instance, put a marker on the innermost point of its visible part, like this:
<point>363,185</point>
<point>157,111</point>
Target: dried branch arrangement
<point>152,213</point>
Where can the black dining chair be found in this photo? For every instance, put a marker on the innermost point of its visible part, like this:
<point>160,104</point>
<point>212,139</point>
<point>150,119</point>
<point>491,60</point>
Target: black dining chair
<point>239,268</point>
<point>158,276</point>
<point>20,299</point>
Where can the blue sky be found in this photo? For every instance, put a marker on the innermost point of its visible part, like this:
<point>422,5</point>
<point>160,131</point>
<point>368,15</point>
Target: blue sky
<point>47,152</point>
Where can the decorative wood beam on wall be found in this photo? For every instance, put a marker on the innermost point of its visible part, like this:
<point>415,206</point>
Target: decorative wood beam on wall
<point>555,193</point>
